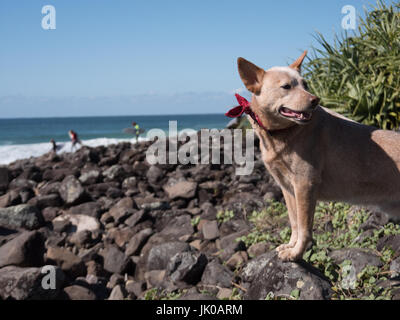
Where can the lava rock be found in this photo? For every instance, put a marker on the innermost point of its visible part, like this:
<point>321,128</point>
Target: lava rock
<point>267,273</point>
<point>25,250</point>
<point>26,283</point>
<point>159,255</point>
<point>181,189</point>
<point>71,190</point>
<point>187,266</point>
<point>115,261</point>
<point>21,216</point>
<point>136,243</point>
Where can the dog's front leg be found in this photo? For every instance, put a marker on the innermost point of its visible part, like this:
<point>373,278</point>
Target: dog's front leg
<point>291,206</point>
<point>305,208</point>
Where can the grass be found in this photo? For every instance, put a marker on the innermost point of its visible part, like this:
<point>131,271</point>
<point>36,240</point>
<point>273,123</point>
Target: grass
<point>272,226</point>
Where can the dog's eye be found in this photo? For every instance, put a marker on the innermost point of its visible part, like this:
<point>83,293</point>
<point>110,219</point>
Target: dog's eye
<point>286,86</point>
<point>305,85</point>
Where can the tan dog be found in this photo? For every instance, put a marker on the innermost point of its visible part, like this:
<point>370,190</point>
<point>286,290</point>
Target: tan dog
<point>316,154</point>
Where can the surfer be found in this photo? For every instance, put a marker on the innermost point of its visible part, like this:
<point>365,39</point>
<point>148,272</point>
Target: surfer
<point>54,146</point>
<point>137,130</point>
<point>74,138</point>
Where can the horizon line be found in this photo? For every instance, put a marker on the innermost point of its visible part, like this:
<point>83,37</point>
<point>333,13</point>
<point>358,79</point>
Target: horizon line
<point>112,116</point>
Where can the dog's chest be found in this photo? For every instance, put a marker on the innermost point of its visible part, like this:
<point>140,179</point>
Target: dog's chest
<point>279,168</point>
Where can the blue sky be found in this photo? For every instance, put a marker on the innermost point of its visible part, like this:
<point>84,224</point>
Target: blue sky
<point>120,57</point>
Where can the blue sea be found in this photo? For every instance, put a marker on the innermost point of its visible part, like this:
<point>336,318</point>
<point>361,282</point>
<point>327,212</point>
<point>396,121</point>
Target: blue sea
<point>24,138</point>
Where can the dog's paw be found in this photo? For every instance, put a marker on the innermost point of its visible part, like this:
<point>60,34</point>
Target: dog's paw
<point>290,254</point>
<point>284,247</point>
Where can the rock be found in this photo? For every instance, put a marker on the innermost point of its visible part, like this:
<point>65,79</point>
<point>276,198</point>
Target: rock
<point>81,239</point>
<point>136,243</point>
<point>118,293</point>
<point>136,218</point>
<point>267,273</point>
<point>121,236</point>
<point>258,249</point>
<point>71,190</point>
<point>115,261</point>
<point>11,198</point>
<point>21,216</point>
<point>22,183</point>
<point>49,188</point>
<point>76,292</point>
<point>208,211</point>
<point>238,259</point>
<point>151,204</point>
<point>115,172</point>
<point>359,260</point>
<point>26,283</point>
<point>210,230</point>
<point>154,174</point>
<point>181,189</point>
<point>374,221</point>
<point>154,278</point>
<point>61,226</point>
<point>79,222</point>
<point>92,209</point>
<point>224,293</point>
<point>159,255</point>
<point>216,274</point>
<point>177,227</point>
<point>50,200</point>
<point>135,288</point>
<point>187,266</point>
<point>26,194</point>
<point>122,209</point>
<point>4,178</point>
<point>25,250</point>
<point>67,261</point>
<point>49,214</point>
<point>89,177</point>
<point>129,183</point>
<point>392,241</point>
<point>115,280</point>
<point>395,268</point>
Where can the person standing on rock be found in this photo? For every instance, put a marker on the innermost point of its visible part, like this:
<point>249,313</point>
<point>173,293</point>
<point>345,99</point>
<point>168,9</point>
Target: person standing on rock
<point>74,139</point>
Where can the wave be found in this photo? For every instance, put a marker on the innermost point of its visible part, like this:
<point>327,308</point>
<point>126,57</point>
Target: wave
<point>11,153</point>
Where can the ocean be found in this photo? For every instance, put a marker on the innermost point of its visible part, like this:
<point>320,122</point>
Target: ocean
<point>24,138</point>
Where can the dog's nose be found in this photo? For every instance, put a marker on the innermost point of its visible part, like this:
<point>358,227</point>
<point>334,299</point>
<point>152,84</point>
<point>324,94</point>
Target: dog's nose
<point>314,100</point>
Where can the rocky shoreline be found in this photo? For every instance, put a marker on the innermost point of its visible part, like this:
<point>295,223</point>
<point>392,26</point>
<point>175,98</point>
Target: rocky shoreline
<point>118,228</point>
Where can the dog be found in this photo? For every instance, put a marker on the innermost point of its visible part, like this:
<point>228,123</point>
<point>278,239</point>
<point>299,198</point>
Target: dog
<point>315,154</point>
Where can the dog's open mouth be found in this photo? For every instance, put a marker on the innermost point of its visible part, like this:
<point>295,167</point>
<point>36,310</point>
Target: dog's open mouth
<point>297,115</point>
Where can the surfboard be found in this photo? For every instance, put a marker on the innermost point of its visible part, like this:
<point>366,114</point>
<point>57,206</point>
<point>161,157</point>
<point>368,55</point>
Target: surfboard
<point>133,131</point>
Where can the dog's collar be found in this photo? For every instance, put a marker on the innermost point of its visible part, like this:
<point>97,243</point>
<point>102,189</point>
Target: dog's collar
<point>244,107</point>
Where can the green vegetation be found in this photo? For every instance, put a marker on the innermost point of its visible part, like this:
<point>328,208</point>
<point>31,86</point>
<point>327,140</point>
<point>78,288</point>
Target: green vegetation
<point>359,74</point>
<point>225,216</point>
<point>157,294</point>
<point>272,226</point>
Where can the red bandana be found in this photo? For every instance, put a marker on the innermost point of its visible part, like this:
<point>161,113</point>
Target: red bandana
<point>244,107</point>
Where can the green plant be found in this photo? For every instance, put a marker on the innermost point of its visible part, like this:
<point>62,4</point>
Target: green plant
<point>359,74</point>
<point>224,216</point>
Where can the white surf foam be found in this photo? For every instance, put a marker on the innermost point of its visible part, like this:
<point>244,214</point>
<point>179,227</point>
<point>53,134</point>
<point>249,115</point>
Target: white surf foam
<point>11,153</point>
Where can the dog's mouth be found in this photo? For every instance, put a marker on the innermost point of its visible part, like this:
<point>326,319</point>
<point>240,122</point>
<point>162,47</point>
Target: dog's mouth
<point>303,116</point>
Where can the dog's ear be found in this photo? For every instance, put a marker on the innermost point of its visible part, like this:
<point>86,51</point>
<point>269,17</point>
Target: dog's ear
<point>297,64</point>
<point>251,75</point>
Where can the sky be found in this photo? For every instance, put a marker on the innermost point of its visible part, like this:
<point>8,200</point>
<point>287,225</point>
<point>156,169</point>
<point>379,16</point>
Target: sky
<point>130,57</point>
